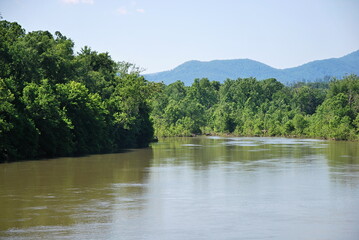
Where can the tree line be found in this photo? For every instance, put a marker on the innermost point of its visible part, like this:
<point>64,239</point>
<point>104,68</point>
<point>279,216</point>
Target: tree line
<point>54,102</point>
<point>248,107</point>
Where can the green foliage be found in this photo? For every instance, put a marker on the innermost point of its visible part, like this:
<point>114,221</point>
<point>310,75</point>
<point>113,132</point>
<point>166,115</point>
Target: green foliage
<point>248,107</point>
<point>222,119</point>
<point>307,99</point>
<point>43,108</point>
<point>300,123</point>
<point>332,119</point>
<point>7,108</point>
<point>55,103</point>
<point>129,109</point>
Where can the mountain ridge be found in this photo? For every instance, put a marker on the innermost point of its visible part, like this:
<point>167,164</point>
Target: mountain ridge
<point>220,70</point>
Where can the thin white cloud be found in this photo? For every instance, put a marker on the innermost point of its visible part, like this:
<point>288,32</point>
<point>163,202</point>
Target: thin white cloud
<point>140,10</point>
<point>78,1</point>
<point>129,9</point>
<point>122,11</point>
<point>70,1</point>
<point>88,1</point>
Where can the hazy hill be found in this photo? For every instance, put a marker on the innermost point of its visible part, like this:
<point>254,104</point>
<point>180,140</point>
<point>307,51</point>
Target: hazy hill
<point>220,70</point>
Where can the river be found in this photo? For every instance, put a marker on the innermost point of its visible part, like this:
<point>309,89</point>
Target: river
<point>188,188</point>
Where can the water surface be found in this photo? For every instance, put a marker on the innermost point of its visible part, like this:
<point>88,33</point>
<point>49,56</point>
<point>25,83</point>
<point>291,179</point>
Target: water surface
<point>188,188</point>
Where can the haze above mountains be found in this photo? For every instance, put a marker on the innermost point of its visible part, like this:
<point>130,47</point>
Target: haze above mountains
<point>220,70</point>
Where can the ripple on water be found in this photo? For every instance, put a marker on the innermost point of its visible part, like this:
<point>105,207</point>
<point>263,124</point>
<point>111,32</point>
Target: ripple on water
<point>242,143</point>
<point>192,145</point>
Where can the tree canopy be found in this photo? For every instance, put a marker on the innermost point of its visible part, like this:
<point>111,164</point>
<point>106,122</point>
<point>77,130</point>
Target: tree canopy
<point>248,107</point>
<point>56,103</point>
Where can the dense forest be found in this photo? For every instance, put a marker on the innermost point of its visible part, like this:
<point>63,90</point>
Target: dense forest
<point>57,103</point>
<point>54,102</point>
<point>247,107</point>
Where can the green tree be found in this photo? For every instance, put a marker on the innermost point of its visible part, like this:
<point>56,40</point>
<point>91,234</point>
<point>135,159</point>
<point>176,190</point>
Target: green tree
<point>55,103</point>
<point>332,119</point>
<point>307,99</point>
<point>129,109</point>
<point>50,120</point>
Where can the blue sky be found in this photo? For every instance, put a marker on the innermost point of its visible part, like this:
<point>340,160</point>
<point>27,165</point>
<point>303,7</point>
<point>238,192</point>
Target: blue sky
<point>158,35</point>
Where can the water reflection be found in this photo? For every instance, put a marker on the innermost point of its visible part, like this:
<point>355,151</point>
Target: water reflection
<point>251,153</point>
<point>342,153</point>
<point>202,152</point>
<point>343,159</point>
<point>188,188</point>
<point>252,188</point>
<point>69,191</point>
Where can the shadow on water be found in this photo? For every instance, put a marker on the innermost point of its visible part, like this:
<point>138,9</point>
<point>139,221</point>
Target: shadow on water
<point>68,191</point>
<point>188,188</point>
<point>343,160</point>
<point>204,151</point>
<point>340,157</point>
<point>60,157</point>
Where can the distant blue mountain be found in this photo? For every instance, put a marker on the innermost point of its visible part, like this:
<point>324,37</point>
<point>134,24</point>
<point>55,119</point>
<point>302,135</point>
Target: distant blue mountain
<point>220,70</point>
